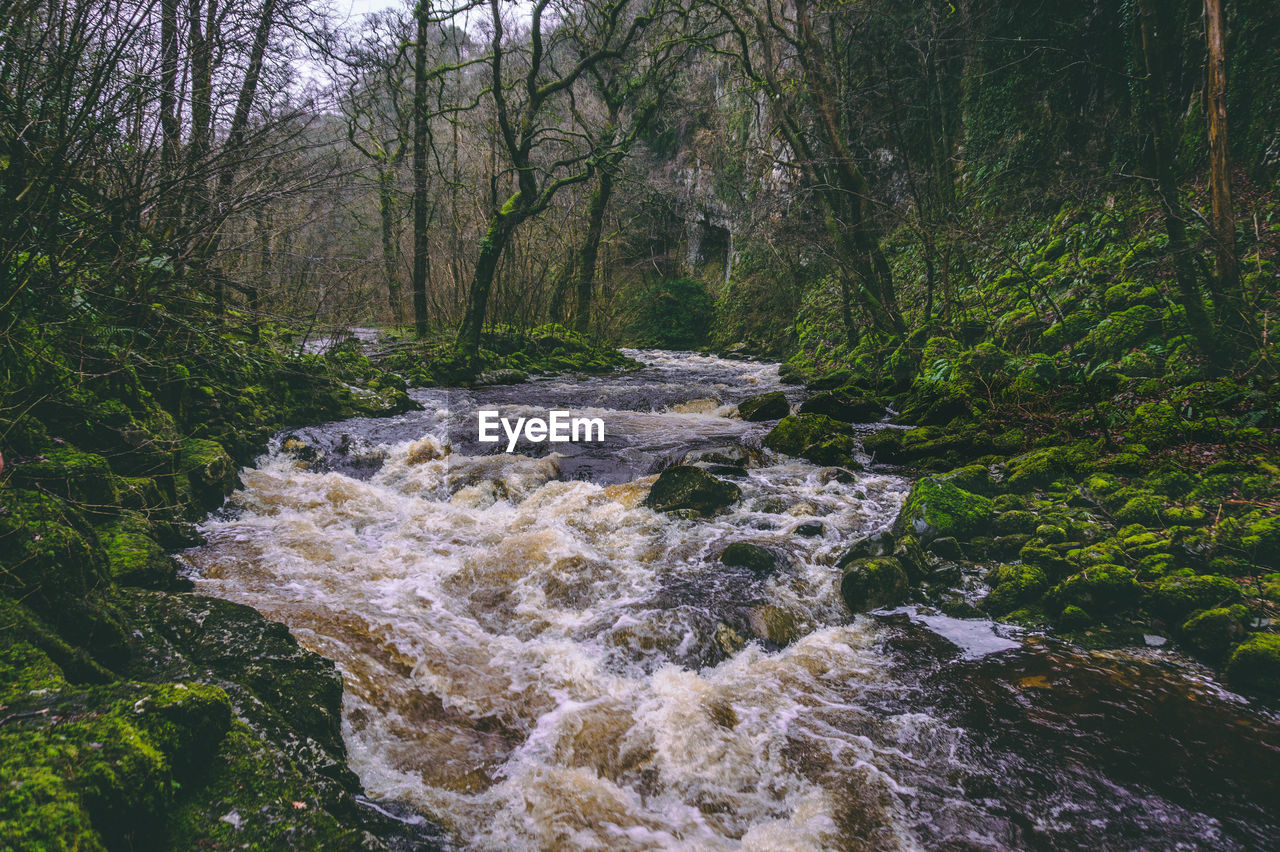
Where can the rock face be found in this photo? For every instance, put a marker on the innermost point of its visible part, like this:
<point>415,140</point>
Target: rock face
<point>872,583</point>
<point>816,438</point>
<point>687,488</point>
<point>766,406</point>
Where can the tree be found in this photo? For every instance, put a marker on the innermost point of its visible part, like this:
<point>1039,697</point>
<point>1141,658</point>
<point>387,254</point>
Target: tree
<point>540,158</point>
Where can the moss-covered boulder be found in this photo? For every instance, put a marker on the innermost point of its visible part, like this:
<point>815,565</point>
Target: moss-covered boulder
<point>1255,665</point>
<point>683,487</point>
<point>1098,590</point>
<point>1175,598</point>
<point>206,469</point>
<point>872,583</point>
<point>765,406</point>
<point>939,509</point>
<point>1013,586</point>
<point>49,554</point>
<point>848,405</point>
<point>1123,330</point>
<point>753,557</point>
<point>814,437</point>
<point>82,478</point>
<point>134,556</point>
<point>1214,632</point>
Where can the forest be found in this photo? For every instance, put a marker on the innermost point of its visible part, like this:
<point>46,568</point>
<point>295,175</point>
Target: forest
<point>904,320</point>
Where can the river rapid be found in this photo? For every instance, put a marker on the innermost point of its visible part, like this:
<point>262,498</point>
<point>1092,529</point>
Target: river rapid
<point>537,661</point>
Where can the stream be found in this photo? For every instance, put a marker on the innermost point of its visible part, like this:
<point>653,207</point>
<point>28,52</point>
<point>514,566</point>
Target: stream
<point>537,661</point>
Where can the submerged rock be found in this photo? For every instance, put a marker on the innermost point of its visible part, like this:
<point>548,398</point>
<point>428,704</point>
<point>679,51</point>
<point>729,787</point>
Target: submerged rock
<point>766,406</point>
<point>753,557</point>
<point>684,487</point>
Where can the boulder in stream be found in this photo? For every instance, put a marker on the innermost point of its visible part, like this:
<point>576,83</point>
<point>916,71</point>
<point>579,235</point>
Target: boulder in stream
<point>846,405</point>
<point>873,583</point>
<point>766,406</point>
<point>684,487</point>
<point>753,557</point>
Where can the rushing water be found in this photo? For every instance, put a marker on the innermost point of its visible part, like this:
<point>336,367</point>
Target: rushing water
<point>539,662</point>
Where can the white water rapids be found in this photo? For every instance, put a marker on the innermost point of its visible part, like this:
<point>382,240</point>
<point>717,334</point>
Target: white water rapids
<point>540,662</point>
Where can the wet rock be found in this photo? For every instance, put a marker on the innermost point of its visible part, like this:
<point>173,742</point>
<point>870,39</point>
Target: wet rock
<point>753,557</point>
<point>937,509</point>
<point>837,474</point>
<point>684,487</point>
<point>300,449</point>
<point>845,404</point>
<point>838,379</point>
<point>945,576</point>
<point>873,584</point>
<point>724,470</point>
<point>728,640</point>
<point>502,377</point>
<point>773,624</point>
<point>879,544</point>
<point>733,455</point>
<point>766,406</point>
<point>946,548</point>
<point>207,471</point>
<point>810,529</point>
<point>815,437</point>
<point>1255,665</point>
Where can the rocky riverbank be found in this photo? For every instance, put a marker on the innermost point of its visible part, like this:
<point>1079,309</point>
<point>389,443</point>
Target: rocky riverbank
<point>1166,531</point>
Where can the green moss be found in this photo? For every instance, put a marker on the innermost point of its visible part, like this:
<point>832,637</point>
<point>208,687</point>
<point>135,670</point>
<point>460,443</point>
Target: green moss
<point>207,470</point>
<point>134,556</point>
<point>1013,585</point>
<point>1036,469</point>
<point>48,551</point>
<point>1123,330</point>
<point>814,437</point>
<point>1213,632</point>
<point>1175,598</point>
<point>939,509</point>
<point>1099,589</point>
<point>82,478</point>
<point>684,487</point>
<point>766,406</point>
<point>1255,665</point>
<point>1141,509</point>
<point>1015,521</point>
<point>872,583</point>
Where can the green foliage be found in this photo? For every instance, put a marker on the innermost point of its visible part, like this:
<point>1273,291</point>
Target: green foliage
<point>675,314</point>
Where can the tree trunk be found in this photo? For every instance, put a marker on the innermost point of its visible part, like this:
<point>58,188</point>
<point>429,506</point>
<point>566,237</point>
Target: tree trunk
<point>169,127</point>
<point>491,248</point>
<point>1226,264</point>
<point>586,271</point>
<point>386,209</point>
<point>420,141</point>
<point>1167,189</point>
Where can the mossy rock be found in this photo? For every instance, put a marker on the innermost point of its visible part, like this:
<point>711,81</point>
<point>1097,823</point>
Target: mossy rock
<point>1255,665</point>
<point>939,509</point>
<point>814,437</point>
<point>765,406</point>
<point>1175,598</point>
<point>873,583</point>
<point>134,557</point>
<point>1125,329</point>
<point>1013,586</point>
<point>684,487</point>
<point>49,554</point>
<point>1141,509</point>
<point>1213,632</point>
<point>848,405</point>
<point>753,557</point>
<point>1036,469</point>
<point>101,768</point>
<point>975,478</point>
<point>1099,589</point>
<point>83,478</point>
<point>884,444</point>
<point>1262,540</point>
<point>208,470</point>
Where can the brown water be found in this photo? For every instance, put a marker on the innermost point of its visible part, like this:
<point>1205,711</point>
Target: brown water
<point>537,661</point>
